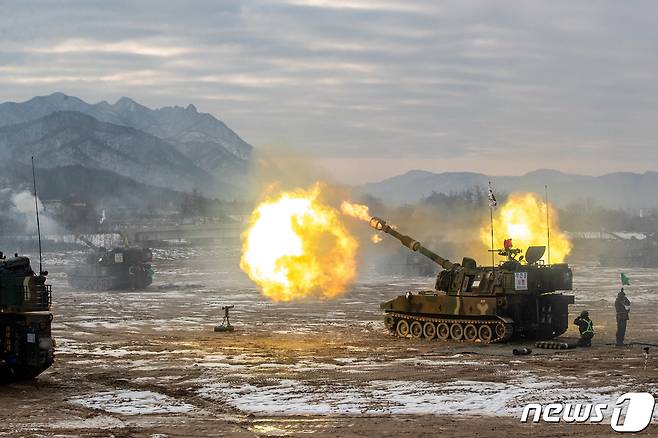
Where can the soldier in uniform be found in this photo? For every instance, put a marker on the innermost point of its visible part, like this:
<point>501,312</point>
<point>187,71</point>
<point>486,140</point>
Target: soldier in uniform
<point>622,307</point>
<point>586,328</point>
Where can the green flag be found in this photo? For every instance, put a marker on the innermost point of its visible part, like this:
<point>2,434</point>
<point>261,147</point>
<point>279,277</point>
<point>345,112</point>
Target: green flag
<point>625,281</point>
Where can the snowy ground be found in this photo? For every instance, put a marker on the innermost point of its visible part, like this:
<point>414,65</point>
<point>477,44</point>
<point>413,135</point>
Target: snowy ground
<point>132,403</point>
<point>148,363</point>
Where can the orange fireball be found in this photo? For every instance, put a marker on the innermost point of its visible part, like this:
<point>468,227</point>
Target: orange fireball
<point>296,247</point>
<point>523,219</point>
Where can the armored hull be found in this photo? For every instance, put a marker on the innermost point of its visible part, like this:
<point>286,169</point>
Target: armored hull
<point>631,254</point>
<point>26,345</point>
<point>483,304</point>
<point>116,269</point>
<point>101,278</point>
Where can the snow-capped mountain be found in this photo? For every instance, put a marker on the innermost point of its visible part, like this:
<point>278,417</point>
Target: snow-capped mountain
<point>173,147</point>
<point>204,139</point>
<point>68,138</point>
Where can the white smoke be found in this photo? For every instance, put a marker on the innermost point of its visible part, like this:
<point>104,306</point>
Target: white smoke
<point>22,208</point>
<point>24,202</point>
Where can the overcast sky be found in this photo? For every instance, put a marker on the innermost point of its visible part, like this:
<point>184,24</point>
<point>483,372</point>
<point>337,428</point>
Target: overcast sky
<point>368,88</point>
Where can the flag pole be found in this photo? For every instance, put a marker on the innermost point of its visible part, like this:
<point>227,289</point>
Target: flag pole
<point>493,263</point>
<point>548,227</point>
<point>492,204</point>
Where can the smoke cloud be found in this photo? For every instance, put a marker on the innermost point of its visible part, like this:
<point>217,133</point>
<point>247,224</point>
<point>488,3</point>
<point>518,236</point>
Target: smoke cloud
<point>20,215</point>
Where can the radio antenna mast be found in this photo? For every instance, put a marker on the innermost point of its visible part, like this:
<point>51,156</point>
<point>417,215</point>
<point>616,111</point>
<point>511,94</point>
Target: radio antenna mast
<point>548,227</point>
<point>36,209</point>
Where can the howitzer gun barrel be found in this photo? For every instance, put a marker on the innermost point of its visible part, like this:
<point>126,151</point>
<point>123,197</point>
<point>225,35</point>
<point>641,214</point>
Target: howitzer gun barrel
<point>409,242</point>
<point>86,241</point>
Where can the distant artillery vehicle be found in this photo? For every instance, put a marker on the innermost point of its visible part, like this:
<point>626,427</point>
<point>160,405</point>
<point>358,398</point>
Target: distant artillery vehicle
<point>26,345</point>
<point>631,252</point>
<point>412,264</point>
<point>119,268</point>
<point>520,298</point>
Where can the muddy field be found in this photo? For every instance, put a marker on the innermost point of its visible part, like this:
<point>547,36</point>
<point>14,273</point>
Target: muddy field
<point>149,364</point>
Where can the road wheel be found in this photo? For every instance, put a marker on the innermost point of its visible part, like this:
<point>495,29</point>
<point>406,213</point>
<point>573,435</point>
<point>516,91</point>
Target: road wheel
<point>443,331</point>
<point>429,330</point>
<point>456,331</point>
<point>470,332</point>
<point>402,328</point>
<point>416,329</point>
<point>500,330</point>
<point>389,322</point>
<point>485,333</point>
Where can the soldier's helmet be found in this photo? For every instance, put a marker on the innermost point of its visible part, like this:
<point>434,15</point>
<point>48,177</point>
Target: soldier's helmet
<point>584,314</point>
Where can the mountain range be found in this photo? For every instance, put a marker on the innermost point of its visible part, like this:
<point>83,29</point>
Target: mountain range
<point>171,147</point>
<point>621,190</point>
<point>179,149</point>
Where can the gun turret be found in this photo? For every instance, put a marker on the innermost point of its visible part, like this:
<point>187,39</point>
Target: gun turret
<point>409,242</point>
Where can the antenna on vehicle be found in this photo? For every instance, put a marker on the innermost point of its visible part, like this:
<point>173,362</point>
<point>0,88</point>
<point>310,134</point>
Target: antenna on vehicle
<point>36,208</point>
<point>548,228</point>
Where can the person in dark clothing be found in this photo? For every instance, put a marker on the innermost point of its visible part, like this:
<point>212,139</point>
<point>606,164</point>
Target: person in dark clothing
<point>622,307</point>
<point>586,328</point>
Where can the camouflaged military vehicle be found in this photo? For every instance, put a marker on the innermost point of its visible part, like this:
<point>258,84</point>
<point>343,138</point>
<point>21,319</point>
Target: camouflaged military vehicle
<point>115,269</point>
<point>26,345</point>
<point>520,298</point>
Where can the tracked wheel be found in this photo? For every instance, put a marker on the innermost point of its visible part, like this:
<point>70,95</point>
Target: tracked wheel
<point>500,330</point>
<point>416,329</point>
<point>402,329</point>
<point>429,330</point>
<point>470,332</point>
<point>443,331</point>
<point>485,333</point>
<point>456,331</point>
<point>389,322</point>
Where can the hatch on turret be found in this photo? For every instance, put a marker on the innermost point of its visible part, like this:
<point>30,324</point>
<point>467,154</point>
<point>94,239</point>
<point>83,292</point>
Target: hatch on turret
<point>534,254</point>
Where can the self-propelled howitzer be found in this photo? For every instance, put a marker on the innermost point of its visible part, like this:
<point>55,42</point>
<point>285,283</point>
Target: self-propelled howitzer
<point>519,298</point>
<point>26,345</point>
<point>118,268</point>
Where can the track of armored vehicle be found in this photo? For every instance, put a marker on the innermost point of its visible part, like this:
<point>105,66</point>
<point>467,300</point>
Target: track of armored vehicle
<point>449,329</point>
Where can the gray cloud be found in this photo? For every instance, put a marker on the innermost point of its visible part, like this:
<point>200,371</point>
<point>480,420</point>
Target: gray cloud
<point>501,87</point>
